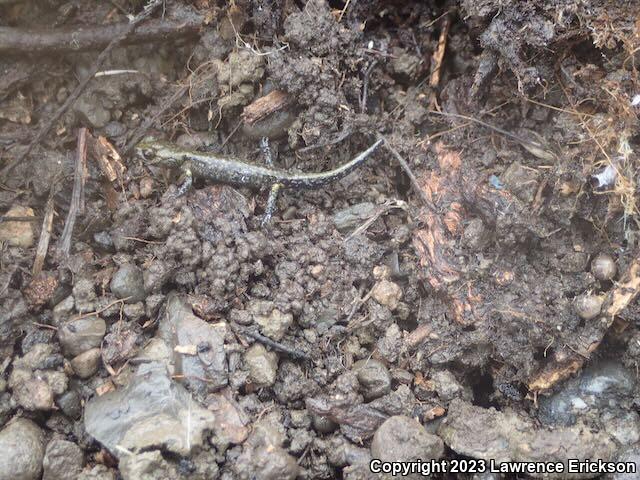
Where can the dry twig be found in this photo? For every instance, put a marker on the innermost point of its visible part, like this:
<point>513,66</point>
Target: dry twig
<point>407,169</point>
<point>45,235</point>
<point>19,41</point>
<point>77,196</point>
<point>275,345</point>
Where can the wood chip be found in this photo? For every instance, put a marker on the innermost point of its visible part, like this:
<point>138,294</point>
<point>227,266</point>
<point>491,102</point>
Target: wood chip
<point>264,106</point>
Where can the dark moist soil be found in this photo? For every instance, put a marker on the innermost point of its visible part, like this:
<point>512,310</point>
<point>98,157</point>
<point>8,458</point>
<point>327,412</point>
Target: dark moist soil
<point>473,279</point>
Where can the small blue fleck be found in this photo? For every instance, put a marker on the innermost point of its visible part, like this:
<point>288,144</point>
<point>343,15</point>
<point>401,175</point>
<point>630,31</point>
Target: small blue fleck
<point>495,182</point>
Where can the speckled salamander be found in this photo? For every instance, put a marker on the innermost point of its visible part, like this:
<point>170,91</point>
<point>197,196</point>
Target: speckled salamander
<point>221,169</point>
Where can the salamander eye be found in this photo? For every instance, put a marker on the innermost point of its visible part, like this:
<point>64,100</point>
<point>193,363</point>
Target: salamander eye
<point>146,153</point>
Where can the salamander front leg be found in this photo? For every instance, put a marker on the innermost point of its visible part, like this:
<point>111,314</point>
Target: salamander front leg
<point>271,203</point>
<point>187,182</point>
<point>265,148</point>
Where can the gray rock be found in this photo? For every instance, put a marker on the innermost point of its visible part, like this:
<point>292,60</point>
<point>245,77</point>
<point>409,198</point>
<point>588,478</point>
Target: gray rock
<point>153,304</point>
<point>39,356</point>
<point>374,378</point>
<point>352,217</point>
<point>263,365</point>
<point>99,472</point>
<point>134,311</point>
<point>508,437</point>
<point>606,385</point>
<point>103,240</point>
<point>90,110</point>
<point>13,310</point>
<point>63,310</point>
<point>403,439</point>
<point>391,344</point>
<point>84,294</point>
<point>30,392</point>
<point>128,281</point>
<point>32,382</point>
<point>632,455</point>
<point>57,380</point>
<point>146,466</point>
<point>207,369</point>
<point>70,404</point>
<point>86,364</point>
<point>7,405</point>
<point>405,63</point>
<point>341,452</point>
<point>521,181</point>
<point>22,447</point>
<point>574,262</point>
<point>63,460</point>
<point>152,411</point>
<point>231,421</point>
<point>78,336</point>
<point>263,457</point>
<point>475,234</point>
<point>300,419</point>
<point>323,424</point>
<point>114,129</point>
<point>448,387</point>
<point>623,425</point>
<point>358,421</point>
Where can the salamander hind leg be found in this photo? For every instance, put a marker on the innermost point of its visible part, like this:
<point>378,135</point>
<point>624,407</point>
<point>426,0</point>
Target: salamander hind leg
<point>271,203</point>
<point>187,174</point>
<point>266,151</point>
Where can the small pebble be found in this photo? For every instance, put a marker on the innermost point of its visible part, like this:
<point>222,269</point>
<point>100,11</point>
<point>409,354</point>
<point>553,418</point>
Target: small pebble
<point>29,392</point>
<point>323,424</point>
<point>62,311</point>
<point>352,217</point>
<point>84,294</point>
<point>70,404</point>
<point>134,311</point>
<point>77,336</point>
<point>263,365</point>
<point>604,267</point>
<point>146,187</point>
<point>374,378</point>
<point>274,325</point>
<point>86,364</point>
<point>387,293</point>
<point>587,306</point>
<point>21,451</point>
<point>316,271</point>
<point>128,281</point>
<point>99,472</point>
<point>475,234</point>
<point>63,460</point>
<point>103,240</point>
<point>448,387</point>
<point>403,439</point>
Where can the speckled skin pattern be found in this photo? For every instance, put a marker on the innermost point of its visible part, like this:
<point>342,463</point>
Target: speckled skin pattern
<point>226,170</point>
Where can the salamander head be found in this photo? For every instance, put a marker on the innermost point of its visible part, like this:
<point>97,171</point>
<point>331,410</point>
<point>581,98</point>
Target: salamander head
<point>157,152</point>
